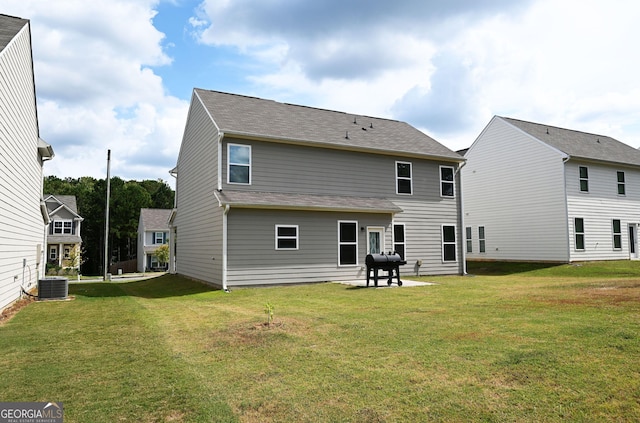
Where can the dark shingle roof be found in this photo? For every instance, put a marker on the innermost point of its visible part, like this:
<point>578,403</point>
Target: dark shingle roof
<point>279,200</point>
<point>67,200</point>
<point>580,145</point>
<point>155,219</point>
<point>267,119</point>
<point>9,27</point>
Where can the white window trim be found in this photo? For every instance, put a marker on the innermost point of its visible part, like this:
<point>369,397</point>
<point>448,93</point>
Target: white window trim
<point>468,239</point>
<point>576,233</point>
<point>613,235</point>
<point>155,238</point>
<point>287,237</point>
<point>580,179</point>
<point>443,243</point>
<point>410,179</point>
<point>229,164</point>
<point>618,183</point>
<point>53,253</point>
<point>452,182</point>
<point>376,229</point>
<point>66,253</point>
<point>484,238</point>
<point>340,243</point>
<point>393,237</point>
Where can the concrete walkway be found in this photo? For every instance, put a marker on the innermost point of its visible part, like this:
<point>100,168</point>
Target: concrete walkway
<point>126,277</point>
<point>382,283</point>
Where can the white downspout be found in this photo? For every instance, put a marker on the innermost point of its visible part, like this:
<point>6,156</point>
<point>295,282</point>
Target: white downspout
<point>220,136</point>
<point>566,206</point>
<point>463,229</point>
<point>224,248</point>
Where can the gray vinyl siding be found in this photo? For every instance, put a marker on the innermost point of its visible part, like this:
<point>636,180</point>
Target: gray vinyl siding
<point>300,169</point>
<point>514,187</point>
<point>599,207</point>
<point>198,220</point>
<point>253,259</point>
<point>22,229</point>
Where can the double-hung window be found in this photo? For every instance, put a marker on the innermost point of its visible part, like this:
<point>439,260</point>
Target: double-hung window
<point>404,184</point>
<point>286,237</point>
<point>347,243</point>
<point>158,238</point>
<point>481,239</point>
<point>239,164</point>
<point>447,187</point>
<point>448,243</point>
<point>617,234</point>
<point>469,237</point>
<point>399,245</point>
<point>62,227</point>
<point>584,179</point>
<point>53,253</point>
<point>578,229</point>
<point>621,184</point>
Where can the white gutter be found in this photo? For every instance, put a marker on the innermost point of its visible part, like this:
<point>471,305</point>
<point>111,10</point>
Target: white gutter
<point>224,248</point>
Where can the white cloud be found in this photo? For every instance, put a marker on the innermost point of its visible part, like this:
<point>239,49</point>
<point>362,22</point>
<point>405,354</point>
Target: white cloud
<point>96,89</point>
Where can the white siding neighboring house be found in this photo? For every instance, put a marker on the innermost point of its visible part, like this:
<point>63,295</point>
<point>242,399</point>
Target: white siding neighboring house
<point>274,193</point>
<point>23,215</point>
<point>64,242</point>
<point>153,231</point>
<point>536,192</point>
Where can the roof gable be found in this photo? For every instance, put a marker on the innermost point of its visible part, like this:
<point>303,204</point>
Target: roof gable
<point>56,202</point>
<point>251,117</point>
<point>155,219</point>
<point>9,28</point>
<point>580,145</point>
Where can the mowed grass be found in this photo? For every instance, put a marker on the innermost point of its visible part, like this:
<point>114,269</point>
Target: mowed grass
<point>512,343</point>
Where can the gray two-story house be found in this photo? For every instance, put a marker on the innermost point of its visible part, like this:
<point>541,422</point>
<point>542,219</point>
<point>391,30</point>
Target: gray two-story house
<point>274,193</point>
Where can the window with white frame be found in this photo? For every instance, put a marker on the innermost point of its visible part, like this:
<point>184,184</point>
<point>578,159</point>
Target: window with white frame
<point>621,183</point>
<point>481,239</point>
<point>617,234</point>
<point>158,238</point>
<point>404,181</point>
<point>53,253</point>
<point>399,244</point>
<point>578,229</point>
<point>347,243</point>
<point>286,237</point>
<point>67,253</point>
<point>239,164</point>
<point>62,227</point>
<point>447,187</point>
<point>469,237</point>
<point>584,179</point>
<point>448,243</point>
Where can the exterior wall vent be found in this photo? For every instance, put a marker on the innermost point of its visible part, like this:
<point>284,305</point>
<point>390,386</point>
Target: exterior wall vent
<point>53,289</point>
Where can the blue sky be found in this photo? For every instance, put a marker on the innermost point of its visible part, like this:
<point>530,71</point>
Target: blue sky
<point>119,74</point>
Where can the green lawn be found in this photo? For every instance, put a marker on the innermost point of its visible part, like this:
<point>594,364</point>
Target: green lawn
<point>512,343</point>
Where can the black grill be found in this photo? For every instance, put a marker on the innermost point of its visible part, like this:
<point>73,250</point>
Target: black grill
<point>386,262</point>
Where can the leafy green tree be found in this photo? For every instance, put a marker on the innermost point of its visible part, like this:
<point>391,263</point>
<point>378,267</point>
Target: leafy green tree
<point>162,253</point>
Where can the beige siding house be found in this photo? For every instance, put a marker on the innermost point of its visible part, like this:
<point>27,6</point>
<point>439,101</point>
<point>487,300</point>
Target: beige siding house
<point>153,231</point>
<point>535,192</point>
<point>23,215</point>
<point>64,240</point>
<point>274,193</point>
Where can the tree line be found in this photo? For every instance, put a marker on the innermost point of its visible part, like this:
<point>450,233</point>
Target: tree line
<point>126,200</point>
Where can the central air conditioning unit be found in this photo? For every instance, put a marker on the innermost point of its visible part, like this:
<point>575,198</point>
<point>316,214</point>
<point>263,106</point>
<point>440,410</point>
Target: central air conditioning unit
<point>53,289</point>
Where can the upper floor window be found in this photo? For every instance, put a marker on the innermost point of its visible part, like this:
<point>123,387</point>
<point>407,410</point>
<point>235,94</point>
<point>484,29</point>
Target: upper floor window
<point>62,227</point>
<point>239,164</point>
<point>621,186</point>
<point>159,238</point>
<point>584,179</point>
<point>403,178</point>
<point>447,188</point>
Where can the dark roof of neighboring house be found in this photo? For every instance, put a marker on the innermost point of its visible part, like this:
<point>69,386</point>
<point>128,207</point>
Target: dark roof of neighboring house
<point>251,117</point>
<point>580,145</point>
<point>279,200</point>
<point>9,28</point>
<point>155,219</point>
<point>67,200</point>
